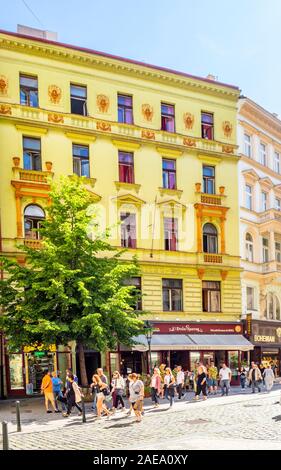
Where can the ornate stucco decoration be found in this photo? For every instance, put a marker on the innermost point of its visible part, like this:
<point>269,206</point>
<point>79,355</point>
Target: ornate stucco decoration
<point>148,134</point>
<point>54,93</point>
<point>3,85</point>
<point>189,142</point>
<point>103,103</point>
<point>227,149</point>
<point>56,118</point>
<point>227,128</point>
<point>103,126</point>
<point>147,112</point>
<point>5,109</point>
<point>188,120</point>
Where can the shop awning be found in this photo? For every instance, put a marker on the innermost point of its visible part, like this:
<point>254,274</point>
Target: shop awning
<point>221,342</point>
<point>163,343</point>
<point>193,343</point>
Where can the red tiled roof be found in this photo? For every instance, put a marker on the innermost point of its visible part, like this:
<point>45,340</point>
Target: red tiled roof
<point>111,56</point>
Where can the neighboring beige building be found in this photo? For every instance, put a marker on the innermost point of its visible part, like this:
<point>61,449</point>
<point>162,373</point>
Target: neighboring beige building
<point>259,137</point>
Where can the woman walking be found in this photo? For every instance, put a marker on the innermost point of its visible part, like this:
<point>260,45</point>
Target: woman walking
<point>155,385</point>
<point>73,396</point>
<point>169,385</point>
<point>136,396</point>
<point>243,377</point>
<point>117,391</point>
<point>201,384</point>
<point>268,376</point>
<point>102,391</point>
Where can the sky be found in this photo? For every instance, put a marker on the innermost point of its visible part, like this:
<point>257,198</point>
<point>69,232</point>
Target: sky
<point>237,41</point>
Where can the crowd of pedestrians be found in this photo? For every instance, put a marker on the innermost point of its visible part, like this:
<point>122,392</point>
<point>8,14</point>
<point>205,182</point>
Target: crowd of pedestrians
<point>164,383</point>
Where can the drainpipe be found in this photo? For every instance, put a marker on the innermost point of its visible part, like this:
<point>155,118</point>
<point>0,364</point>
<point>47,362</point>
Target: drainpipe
<point>1,337</point>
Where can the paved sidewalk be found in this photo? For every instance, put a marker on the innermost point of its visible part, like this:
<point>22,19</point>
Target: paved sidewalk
<point>242,420</point>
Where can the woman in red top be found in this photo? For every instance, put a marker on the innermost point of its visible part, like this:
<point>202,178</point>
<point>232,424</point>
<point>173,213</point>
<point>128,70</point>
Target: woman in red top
<point>155,386</point>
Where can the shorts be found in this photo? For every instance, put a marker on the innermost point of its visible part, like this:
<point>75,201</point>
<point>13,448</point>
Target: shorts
<point>212,383</point>
<point>137,405</point>
<point>100,395</point>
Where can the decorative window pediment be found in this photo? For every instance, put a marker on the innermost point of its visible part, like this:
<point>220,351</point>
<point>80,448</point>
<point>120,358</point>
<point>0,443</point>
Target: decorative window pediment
<point>129,199</point>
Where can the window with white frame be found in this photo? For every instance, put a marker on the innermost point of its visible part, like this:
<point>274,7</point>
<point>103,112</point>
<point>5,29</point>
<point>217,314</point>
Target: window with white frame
<point>263,201</point>
<point>272,307</point>
<point>249,248</point>
<point>247,145</point>
<point>277,204</point>
<point>263,154</point>
<point>278,252</point>
<point>249,197</point>
<point>276,162</point>
<point>265,250</point>
<point>250,298</point>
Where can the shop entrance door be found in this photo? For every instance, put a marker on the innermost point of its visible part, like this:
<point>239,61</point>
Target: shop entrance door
<point>38,363</point>
<point>179,358</point>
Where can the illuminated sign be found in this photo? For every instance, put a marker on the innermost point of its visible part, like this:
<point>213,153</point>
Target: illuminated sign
<point>264,339</point>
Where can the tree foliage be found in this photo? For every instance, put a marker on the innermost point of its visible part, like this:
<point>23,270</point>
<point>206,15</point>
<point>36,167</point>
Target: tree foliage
<point>73,287</point>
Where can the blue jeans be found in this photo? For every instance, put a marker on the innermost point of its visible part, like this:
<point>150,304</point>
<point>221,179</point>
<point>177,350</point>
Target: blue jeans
<point>224,384</point>
<point>255,384</point>
<point>242,382</point>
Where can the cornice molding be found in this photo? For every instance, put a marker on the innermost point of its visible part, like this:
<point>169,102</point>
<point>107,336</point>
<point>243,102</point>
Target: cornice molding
<point>67,54</point>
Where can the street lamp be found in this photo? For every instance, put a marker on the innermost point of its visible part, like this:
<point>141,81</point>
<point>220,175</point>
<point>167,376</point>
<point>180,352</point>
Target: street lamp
<point>148,335</point>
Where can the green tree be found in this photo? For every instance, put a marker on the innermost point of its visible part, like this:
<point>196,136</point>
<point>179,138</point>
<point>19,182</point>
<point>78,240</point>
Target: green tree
<point>73,287</point>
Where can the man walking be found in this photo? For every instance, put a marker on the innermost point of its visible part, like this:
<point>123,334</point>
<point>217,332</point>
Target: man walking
<point>255,378</point>
<point>225,378</point>
<point>180,381</point>
<point>47,390</point>
<point>101,375</point>
<point>213,378</point>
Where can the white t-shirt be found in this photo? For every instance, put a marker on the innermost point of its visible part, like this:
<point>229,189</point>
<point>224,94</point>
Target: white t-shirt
<point>224,373</point>
<point>180,377</point>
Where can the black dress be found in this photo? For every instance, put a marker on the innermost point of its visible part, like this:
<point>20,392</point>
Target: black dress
<point>201,387</point>
<point>70,397</point>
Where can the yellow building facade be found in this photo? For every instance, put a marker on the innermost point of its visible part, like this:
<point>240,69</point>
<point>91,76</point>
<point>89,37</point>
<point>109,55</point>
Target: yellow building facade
<point>158,148</point>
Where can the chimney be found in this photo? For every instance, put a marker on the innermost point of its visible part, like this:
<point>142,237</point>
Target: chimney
<point>37,33</point>
<point>212,77</point>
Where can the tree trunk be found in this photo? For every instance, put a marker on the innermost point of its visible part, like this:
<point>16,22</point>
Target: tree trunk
<point>83,372</point>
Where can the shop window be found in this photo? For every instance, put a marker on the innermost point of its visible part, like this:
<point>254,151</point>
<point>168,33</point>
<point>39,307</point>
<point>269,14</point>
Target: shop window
<point>16,372</point>
<point>272,307</point>
<point>167,117</point>
<point>128,230</point>
<point>250,298</point>
<point>169,173</point>
<point>207,126</point>
<point>211,296</point>
<point>265,250</point>
<point>210,239</point>
<point>33,216</point>
<point>78,100</point>
<point>247,145</point>
<point>125,109</point>
<point>126,167</point>
<point>249,248</point>
<point>171,233</point>
<point>29,91</point>
<point>209,186</point>
<point>32,154</point>
<point>80,154</point>
<point>136,282</point>
<point>172,295</point>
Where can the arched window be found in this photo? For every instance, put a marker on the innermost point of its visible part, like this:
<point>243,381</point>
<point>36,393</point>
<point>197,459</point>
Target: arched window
<point>249,247</point>
<point>210,239</point>
<point>272,307</point>
<point>33,215</point>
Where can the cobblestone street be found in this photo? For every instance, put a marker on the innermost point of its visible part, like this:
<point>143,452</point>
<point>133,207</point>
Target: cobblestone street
<point>240,421</point>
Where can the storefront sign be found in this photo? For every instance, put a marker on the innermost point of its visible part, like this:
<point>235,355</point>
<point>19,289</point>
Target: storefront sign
<point>197,328</point>
<point>249,324</point>
<point>264,339</point>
